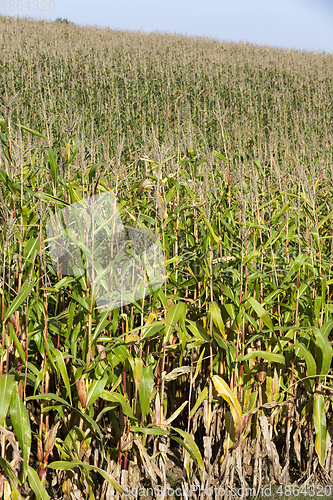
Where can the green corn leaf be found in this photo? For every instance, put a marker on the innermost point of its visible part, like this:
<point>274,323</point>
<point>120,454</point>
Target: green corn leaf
<point>198,331</point>
<point>259,167</point>
<point>261,312</point>
<point>152,329</point>
<point>21,423</point>
<point>7,383</point>
<point>62,465</point>
<point>326,351</point>
<point>18,346</point>
<point>103,323</point>
<point>82,301</point>
<point>95,389</point>
<point>192,446</point>
<point>33,132</point>
<point>3,125</point>
<point>145,389</point>
<point>217,318</point>
<point>90,422</point>
<point>210,227</point>
<point>115,397</point>
<point>92,171</point>
<point>190,454</point>
<point>60,365</point>
<point>298,262</point>
<point>326,328</point>
<point>53,166</point>
<point>152,431</point>
<point>220,156</point>
<point>198,402</point>
<point>162,298</point>
<point>31,246</point>
<point>36,485</point>
<point>319,421</point>
<point>48,197</point>
<point>198,367</point>
<point>136,365</point>
<point>171,193</point>
<point>302,350</point>
<point>8,181</point>
<point>75,150</point>
<point>268,356</point>
<point>174,314</point>
<point>230,308</point>
<point>19,299</point>
<point>250,256</point>
<point>49,396</point>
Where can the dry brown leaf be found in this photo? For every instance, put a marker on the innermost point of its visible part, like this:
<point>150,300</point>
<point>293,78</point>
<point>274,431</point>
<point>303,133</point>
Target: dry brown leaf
<point>270,447</point>
<point>143,185</point>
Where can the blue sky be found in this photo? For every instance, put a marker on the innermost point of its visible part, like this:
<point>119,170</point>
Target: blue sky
<point>300,24</point>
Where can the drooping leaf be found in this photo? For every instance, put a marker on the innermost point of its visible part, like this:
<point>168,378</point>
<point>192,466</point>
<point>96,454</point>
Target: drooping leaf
<point>302,350</point>
<point>115,397</point>
<point>192,445</point>
<point>33,132</point>
<point>49,396</point>
<point>177,372</point>
<point>77,463</point>
<point>268,356</point>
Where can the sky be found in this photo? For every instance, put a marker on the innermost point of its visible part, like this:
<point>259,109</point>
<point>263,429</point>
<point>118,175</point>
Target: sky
<point>292,24</point>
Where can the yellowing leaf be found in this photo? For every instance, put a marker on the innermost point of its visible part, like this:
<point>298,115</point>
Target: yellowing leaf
<point>226,393</point>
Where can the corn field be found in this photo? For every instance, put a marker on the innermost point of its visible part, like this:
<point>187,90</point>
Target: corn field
<point>219,382</point>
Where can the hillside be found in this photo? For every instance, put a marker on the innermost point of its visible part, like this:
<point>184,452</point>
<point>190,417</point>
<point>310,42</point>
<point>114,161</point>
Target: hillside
<point>122,86</point>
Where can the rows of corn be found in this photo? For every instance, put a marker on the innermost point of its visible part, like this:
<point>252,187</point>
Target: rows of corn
<point>222,377</point>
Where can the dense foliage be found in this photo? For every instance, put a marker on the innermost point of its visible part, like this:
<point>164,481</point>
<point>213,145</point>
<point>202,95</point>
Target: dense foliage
<point>223,375</point>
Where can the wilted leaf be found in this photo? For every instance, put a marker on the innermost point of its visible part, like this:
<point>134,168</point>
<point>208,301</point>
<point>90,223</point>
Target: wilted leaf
<point>177,372</point>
